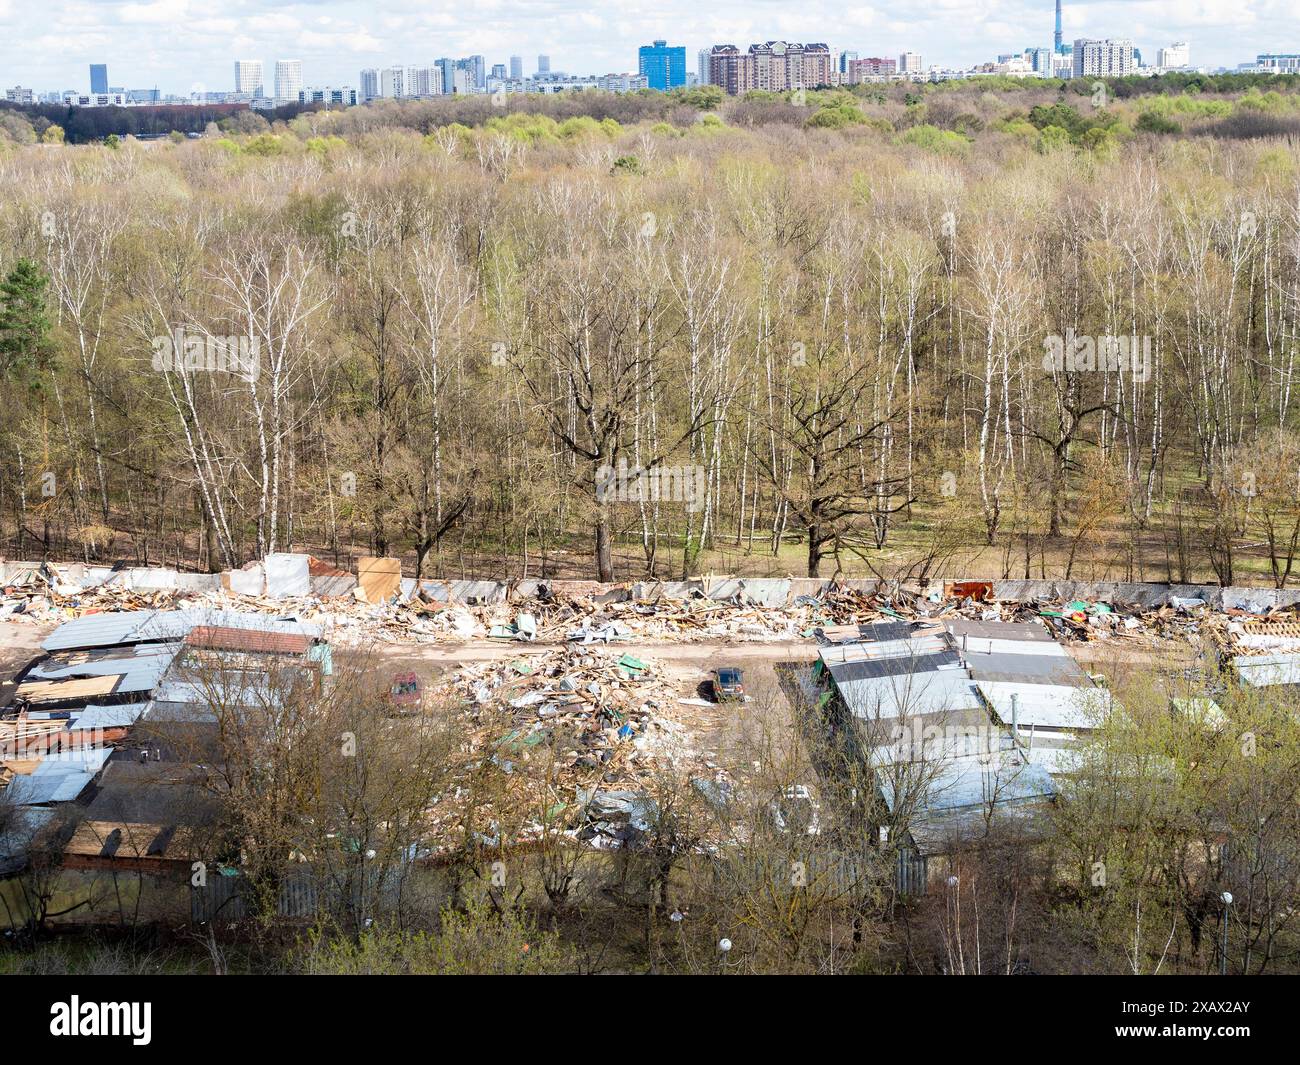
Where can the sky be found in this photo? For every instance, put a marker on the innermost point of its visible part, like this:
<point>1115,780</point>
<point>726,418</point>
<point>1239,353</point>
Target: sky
<point>182,46</point>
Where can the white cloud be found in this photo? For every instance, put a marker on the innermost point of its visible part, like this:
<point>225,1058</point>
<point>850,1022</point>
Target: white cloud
<point>159,12</point>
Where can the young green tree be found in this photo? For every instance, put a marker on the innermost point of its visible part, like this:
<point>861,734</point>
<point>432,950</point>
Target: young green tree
<point>25,342</point>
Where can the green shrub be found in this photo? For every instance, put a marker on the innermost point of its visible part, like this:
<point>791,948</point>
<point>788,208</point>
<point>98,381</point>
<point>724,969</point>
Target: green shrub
<point>1150,122</point>
<point>933,139</point>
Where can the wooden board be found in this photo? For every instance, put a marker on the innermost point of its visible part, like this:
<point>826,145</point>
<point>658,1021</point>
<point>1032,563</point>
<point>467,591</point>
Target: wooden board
<point>379,578</point>
<point>39,691</point>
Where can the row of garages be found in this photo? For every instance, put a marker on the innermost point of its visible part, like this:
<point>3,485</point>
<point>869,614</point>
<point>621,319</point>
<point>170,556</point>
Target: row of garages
<point>962,721</point>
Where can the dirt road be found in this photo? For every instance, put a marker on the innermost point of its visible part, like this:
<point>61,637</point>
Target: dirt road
<point>701,655</point>
<point>685,666</point>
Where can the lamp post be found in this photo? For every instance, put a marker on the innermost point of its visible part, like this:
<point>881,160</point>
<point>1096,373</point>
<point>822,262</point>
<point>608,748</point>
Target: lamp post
<point>1226,899</point>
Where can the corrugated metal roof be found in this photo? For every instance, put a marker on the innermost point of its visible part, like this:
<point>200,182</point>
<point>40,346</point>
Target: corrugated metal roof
<point>884,631</point>
<point>228,638</point>
<point>976,647</point>
<point>188,707</point>
<point>998,630</point>
<point>1027,669</point>
<point>139,626</point>
<point>60,777</point>
<point>98,663</point>
<point>915,647</point>
<point>976,781</point>
<point>98,630</point>
<point>884,698</point>
<point>1053,706</point>
<point>177,623</point>
<point>913,744</point>
<point>846,672</point>
<point>138,672</point>
<point>119,715</point>
<point>1055,759</point>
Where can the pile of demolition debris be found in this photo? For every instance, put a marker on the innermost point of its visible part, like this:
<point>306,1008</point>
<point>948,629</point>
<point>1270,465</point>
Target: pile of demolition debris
<point>379,604</point>
<point>583,733</point>
<point>401,610</point>
<point>1249,636</point>
<point>1231,629</point>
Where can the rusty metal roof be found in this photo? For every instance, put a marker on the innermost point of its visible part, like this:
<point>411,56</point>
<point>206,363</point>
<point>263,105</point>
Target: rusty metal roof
<point>225,638</point>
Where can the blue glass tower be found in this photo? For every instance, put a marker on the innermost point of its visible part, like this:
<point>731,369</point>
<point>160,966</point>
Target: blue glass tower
<point>663,67</point>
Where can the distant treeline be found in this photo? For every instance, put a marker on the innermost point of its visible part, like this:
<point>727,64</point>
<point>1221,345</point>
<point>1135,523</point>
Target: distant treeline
<point>1122,88</point>
<point>82,125</point>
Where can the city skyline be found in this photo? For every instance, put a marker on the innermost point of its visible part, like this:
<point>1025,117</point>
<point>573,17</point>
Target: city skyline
<point>181,46</point>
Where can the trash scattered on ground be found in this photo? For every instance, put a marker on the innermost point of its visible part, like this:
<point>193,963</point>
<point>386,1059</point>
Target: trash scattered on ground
<point>379,604</point>
<point>584,732</point>
<point>599,714</point>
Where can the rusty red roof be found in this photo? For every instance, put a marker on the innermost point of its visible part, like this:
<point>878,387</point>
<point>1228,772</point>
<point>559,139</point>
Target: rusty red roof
<point>225,638</point>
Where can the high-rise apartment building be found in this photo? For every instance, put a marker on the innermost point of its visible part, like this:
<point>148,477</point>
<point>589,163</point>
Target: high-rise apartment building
<point>909,63</point>
<point>543,65</point>
<point>775,66</point>
<point>516,68</point>
<point>448,69</point>
<point>288,79</point>
<point>780,66</point>
<point>1174,56</point>
<point>730,70</point>
<point>1040,60</point>
<point>369,84</point>
<point>98,77</point>
<point>860,70</point>
<point>422,81</point>
<point>703,71</point>
<point>662,66</point>
<point>1102,59</point>
<point>248,76</point>
<point>475,68</point>
<point>392,82</point>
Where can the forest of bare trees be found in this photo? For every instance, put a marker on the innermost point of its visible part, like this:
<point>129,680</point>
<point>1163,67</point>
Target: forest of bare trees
<point>975,330</point>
